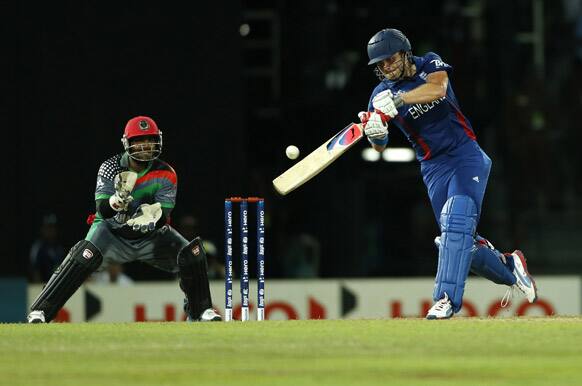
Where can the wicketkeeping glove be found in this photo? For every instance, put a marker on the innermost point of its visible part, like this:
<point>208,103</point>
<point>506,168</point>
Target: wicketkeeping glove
<point>145,218</point>
<point>124,183</point>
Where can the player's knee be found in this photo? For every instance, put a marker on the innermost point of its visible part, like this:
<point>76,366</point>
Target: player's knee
<point>459,215</point>
<point>86,254</point>
<point>192,253</point>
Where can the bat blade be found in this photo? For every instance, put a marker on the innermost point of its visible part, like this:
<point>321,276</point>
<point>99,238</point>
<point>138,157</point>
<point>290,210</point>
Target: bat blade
<point>318,160</point>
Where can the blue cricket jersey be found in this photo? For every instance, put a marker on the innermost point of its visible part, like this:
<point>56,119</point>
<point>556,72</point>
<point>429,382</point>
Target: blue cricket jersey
<point>433,128</point>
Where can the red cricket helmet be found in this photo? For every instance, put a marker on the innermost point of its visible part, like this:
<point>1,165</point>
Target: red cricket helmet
<point>141,127</point>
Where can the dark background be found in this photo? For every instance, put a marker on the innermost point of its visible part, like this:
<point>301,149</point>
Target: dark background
<point>229,104</point>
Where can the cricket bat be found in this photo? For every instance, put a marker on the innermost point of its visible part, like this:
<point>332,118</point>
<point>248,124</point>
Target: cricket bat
<point>318,159</point>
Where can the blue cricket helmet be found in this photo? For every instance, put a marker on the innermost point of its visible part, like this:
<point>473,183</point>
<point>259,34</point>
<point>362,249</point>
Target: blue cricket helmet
<point>386,43</point>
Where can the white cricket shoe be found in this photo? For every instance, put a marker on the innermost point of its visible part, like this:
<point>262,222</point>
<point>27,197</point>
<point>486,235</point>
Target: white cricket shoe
<point>36,317</point>
<point>443,309</point>
<point>209,315</point>
<point>523,280</point>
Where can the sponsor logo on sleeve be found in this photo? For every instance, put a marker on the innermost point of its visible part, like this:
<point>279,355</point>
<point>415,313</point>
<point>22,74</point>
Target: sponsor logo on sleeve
<point>438,63</point>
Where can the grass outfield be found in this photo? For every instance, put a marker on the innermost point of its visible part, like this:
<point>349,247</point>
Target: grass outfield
<point>461,351</point>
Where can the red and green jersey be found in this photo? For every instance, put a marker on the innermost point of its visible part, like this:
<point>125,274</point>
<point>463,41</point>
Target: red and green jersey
<point>156,183</point>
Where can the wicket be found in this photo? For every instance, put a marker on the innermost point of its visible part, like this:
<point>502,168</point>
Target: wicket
<point>244,253</point>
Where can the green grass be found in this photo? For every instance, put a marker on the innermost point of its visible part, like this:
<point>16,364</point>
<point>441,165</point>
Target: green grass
<point>461,351</point>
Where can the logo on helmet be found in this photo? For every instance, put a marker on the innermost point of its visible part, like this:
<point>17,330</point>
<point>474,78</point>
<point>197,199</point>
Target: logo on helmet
<point>144,125</point>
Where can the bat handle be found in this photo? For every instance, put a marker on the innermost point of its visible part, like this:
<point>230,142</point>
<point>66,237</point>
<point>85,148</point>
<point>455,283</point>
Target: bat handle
<point>385,118</point>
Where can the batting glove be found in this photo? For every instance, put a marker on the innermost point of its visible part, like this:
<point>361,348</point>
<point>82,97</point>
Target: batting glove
<point>384,102</point>
<point>375,125</point>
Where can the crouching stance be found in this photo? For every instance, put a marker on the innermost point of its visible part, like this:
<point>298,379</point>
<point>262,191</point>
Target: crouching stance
<point>135,194</point>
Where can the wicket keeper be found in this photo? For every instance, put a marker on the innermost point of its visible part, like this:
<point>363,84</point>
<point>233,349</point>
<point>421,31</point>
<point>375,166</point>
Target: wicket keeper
<point>134,196</point>
<point>416,95</point>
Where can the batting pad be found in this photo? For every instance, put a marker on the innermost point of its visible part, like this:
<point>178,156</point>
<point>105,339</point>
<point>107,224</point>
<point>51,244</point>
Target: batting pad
<point>458,225</point>
<point>487,263</point>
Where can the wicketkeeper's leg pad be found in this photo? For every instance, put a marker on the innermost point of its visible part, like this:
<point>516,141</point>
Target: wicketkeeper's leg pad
<point>458,225</point>
<point>194,278</point>
<point>82,260</point>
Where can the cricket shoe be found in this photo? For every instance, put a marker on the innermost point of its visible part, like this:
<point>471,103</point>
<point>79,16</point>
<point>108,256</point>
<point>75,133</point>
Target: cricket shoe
<point>523,280</point>
<point>209,315</point>
<point>443,309</point>
<point>36,317</point>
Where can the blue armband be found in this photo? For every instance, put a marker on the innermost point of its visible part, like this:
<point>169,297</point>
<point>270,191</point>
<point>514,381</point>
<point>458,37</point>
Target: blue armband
<point>379,141</point>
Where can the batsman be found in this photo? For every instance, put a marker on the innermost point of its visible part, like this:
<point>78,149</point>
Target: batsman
<point>416,95</point>
<point>134,196</point>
